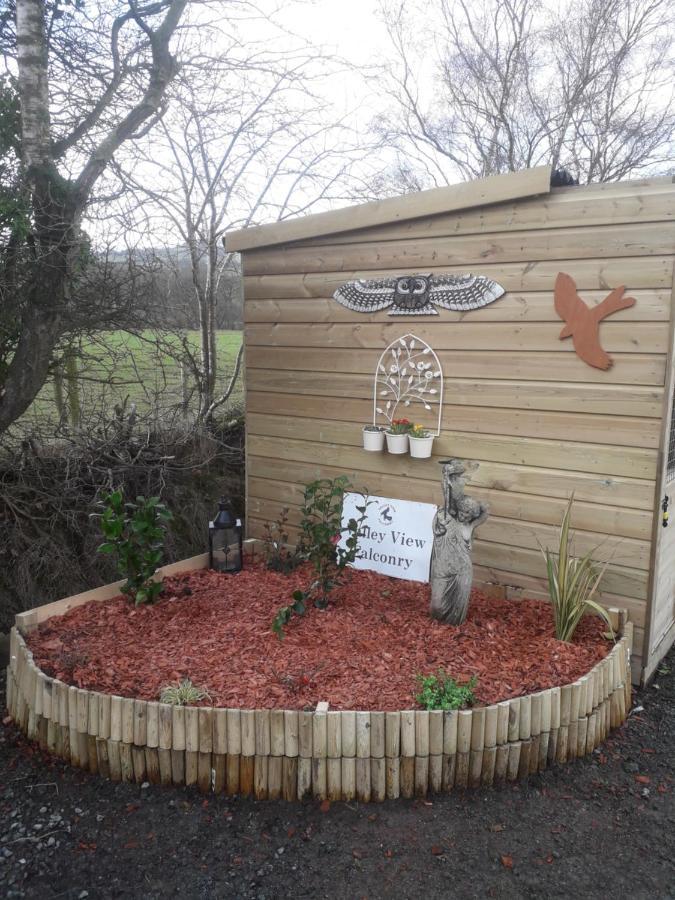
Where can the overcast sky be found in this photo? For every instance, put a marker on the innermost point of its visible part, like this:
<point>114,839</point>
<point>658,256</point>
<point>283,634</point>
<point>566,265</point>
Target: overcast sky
<point>349,29</point>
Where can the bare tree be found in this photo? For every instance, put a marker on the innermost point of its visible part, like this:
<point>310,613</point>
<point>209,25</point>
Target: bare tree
<point>515,83</point>
<point>90,78</point>
<point>246,140</point>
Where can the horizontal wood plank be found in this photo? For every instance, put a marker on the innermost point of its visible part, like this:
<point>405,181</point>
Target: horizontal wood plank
<point>628,368</point>
<point>520,587</point>
<point>602,459</point>
<point>644,239</point>
<point>616,336</point>
<point>635,272</point>
<point>283,480</point>
<point>527,535</point>
<point>650,306</point>
<point>615,400</point>
<point>625,492</point>
<point>585,427</point>
<point>618,580</point>
<point>562,208</point>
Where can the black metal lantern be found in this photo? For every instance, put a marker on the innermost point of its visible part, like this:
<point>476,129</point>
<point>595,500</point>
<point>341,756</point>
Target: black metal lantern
<point>225,540</point>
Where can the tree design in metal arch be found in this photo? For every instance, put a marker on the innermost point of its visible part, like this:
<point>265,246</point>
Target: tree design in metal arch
<point>408,379</point>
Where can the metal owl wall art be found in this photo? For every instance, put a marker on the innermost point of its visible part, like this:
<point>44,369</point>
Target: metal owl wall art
<point>417,295</point>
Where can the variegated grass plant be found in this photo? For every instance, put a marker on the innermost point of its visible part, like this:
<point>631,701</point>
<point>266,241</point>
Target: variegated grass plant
<point>183,693</point>
<point>573,582</point>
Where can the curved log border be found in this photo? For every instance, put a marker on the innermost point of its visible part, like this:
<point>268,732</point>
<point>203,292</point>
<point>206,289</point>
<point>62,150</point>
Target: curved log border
<point>337,755</point>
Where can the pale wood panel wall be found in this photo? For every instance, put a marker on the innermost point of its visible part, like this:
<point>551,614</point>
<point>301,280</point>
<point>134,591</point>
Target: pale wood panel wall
<point>541,423</point>
<point>621,431</point>
<point>515,307</point>
<point>628,368</point>
<point>561,208</point>
<point>562,454</point>
<point>617,336</point>
<point>505,500</point>
<point>622,400</point>
<point>644,239</point>
<point>636,272</point>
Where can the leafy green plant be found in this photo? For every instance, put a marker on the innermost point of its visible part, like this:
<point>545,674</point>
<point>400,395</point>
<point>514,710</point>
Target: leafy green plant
<point>441,691</point>
<point>573,582</point>
<point>321,534</point>
<point>183,693</point>
<point>135,532</point>
<point>279,557</point>
<point>419,431</point>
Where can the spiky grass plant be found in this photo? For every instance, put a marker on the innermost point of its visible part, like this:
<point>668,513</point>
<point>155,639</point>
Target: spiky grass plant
<point>183,693</point>
<point>573,582</point>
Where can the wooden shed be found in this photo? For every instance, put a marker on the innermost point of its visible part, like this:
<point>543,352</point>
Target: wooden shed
<point>541,422</point>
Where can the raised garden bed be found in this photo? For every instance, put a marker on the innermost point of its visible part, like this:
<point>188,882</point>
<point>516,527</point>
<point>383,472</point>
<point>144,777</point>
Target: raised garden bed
<point>328,712</point>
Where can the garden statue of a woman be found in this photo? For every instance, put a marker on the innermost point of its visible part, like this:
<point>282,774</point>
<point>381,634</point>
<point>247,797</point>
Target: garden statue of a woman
<point>451,568</point>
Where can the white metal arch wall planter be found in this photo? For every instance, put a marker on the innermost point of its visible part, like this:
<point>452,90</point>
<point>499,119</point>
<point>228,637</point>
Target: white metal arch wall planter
<point>408,374</point>
<point>417,295</point>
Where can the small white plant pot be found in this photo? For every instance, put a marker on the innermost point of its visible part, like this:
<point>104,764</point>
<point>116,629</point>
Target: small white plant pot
<point>397,443</point>
<point>420,448</point>
<point>373,440</point>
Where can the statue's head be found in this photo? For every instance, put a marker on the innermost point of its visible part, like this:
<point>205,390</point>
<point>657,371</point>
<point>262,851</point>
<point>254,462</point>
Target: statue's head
<point>451,467</point>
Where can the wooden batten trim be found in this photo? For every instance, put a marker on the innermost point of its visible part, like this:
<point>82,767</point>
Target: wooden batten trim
<point>362,735</point>
<point>248,732</point>
<point>291,733</point>
<point>319,735</point>
<point>276,733</point>
<point>334,735</point>
<point>408,733</point>
<point>464,729</point>
<point>482,192</point>
<point>377,735</point>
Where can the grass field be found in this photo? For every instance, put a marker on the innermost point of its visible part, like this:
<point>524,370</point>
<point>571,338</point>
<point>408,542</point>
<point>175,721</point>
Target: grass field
<point>116,367</point>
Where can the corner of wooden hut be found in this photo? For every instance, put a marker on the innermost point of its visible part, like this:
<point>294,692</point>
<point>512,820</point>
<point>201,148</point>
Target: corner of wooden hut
<point>541,422</point>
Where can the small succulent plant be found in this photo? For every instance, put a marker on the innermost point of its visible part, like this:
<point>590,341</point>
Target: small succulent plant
<point>183,693</point>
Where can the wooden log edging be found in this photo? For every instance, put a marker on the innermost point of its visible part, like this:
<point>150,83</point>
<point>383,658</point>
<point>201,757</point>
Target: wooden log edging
<point>325,754</point>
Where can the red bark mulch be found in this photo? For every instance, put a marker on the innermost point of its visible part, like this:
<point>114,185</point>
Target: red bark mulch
<point>361,653</point>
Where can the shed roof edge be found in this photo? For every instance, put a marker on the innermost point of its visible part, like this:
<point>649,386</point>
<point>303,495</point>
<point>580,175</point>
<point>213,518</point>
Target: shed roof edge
<point>468,194</point>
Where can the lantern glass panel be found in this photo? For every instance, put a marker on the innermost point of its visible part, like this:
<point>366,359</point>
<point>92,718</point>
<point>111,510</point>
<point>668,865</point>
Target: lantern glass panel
<point>226,549</point>
<point>225,540</point>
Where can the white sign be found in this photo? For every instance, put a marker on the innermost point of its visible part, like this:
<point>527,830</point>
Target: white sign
<point>396,536</point>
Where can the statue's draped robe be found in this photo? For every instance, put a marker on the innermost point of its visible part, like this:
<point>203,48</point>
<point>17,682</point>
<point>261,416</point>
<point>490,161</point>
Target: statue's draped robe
<point>451,569</point>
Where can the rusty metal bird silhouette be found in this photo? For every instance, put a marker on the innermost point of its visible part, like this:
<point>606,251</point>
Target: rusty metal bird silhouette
<point>583,322</point>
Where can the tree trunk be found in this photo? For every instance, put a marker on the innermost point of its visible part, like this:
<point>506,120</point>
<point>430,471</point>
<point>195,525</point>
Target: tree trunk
<point>55,214</point>
<point>58,203</point>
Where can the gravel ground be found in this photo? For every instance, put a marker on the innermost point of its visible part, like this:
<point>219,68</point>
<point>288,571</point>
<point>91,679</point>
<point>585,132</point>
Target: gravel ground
<point>597,827</point>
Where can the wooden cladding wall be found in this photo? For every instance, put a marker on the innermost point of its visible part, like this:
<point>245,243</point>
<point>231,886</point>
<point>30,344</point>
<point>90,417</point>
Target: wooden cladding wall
<point>541,423</point>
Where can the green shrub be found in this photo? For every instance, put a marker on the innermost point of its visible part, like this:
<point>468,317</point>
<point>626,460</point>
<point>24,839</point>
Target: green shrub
<point>135,533</point>
<point>183,693</point>
<point>572,583</point>
<point>321,531</point>
<point>441,691</point>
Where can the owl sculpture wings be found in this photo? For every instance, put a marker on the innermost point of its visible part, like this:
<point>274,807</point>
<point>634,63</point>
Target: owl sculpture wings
<point>417,295</point>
